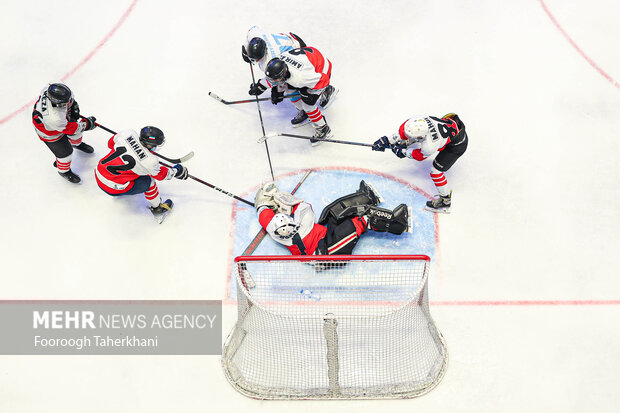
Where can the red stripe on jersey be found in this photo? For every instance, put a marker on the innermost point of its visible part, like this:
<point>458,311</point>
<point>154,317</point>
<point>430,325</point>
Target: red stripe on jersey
<point>70,129</point>
<point>401,131</point>
<point>417,155</point>
<point>321,65</point>
<point>360,225</point>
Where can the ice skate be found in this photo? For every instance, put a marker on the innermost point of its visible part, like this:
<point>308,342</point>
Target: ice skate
<point>320,134</point>
<point>84,147</point>
<point>440,204</point>
<point>328,96</point>
<point>300,119</point>
<point>371,191</point>
<point>161,212</point>
<point>70,176</point>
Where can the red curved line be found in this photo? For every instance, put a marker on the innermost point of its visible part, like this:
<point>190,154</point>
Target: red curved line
<point>572,42</point>
<point>79,65</point>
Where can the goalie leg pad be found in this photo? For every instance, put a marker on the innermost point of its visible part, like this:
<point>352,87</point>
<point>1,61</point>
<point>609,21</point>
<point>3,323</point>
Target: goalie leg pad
<point>351,205</point>
<point>384,220</point>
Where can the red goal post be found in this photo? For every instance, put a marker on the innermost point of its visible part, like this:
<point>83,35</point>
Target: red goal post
<point>354,326</point>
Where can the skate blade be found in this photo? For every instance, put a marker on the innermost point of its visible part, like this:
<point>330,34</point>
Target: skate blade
<point>317,143</point>
<point>409,219</point>
<point>442,210</point>
<point>377,193</point>
<point>161,217</point>
<point>331,99</point>
<point>305,122</point>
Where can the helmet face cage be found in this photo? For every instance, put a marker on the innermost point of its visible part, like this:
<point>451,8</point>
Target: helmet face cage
<point>257,49</point>
<point>276,71</point>
<point>59,94</point>
<point>152,137</point>
<point>285,227</point>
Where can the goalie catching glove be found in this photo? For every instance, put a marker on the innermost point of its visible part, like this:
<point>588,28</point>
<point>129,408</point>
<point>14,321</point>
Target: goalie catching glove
<point>264,197</point>
<point>285,202</point>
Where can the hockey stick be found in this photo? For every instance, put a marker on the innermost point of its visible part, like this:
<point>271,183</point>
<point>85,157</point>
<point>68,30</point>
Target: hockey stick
<point>264,138</point>
<point>261,234</point>
<point>172,160</point>
<point>260,115</point>
<point>215,187</point>
<point>234,102</point>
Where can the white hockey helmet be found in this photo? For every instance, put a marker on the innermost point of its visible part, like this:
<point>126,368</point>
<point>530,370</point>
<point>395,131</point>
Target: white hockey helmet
<point>415,130</point>
<point>284,226</point>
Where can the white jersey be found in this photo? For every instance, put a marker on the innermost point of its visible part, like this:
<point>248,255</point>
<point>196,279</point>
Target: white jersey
<point>308,68</point>
<point>51,122</point>
<point>277,43</point>
<point>437,134</point>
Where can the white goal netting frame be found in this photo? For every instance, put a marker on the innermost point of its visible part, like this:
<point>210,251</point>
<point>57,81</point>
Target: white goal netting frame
<point>333,327</point>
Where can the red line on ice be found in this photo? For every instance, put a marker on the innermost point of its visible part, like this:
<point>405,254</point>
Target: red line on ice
<point>79,65</point>
<point>572,42</point>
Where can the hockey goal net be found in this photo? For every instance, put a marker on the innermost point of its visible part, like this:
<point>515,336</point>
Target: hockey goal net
<point>341,327</point>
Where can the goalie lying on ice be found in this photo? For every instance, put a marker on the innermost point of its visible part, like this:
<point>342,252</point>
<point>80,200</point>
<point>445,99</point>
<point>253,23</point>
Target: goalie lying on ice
<point>290,221</point>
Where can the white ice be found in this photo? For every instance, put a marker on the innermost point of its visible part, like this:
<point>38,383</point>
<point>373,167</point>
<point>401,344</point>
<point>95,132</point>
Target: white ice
<point>535,204</point>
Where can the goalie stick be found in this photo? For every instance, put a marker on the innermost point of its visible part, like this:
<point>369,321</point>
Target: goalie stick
<point>261,234</point>
<point>271,135</point>
<point>172,160</point>
<point>234,102</point>
<point>215,187</point>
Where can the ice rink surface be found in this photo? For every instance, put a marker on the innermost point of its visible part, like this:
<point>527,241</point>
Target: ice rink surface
<point>524,284</point>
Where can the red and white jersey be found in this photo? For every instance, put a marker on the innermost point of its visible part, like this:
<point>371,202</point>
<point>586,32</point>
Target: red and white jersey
<point>308,68</point>
<point>277,43</point>
<point>438,135</point>
<point>308,236</point>
<point>51,122</point>
<point>127,161</point>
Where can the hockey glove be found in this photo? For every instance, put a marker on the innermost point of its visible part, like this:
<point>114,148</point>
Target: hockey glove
<point>89,122</point>
<point>244,55</point>
<point>257,89</point>
<point>399,151</point>
<point>276,95</point>
<point>74,112</point>
<point>381,144</point>
<point>181,172</point>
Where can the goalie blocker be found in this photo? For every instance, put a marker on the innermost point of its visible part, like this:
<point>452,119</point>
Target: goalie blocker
<point>291,221</point>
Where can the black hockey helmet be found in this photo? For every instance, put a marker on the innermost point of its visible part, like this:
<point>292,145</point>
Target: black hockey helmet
<point>59,94</point>
<point>257,48</point>
<point>277,71</point>
<point>151,137</point>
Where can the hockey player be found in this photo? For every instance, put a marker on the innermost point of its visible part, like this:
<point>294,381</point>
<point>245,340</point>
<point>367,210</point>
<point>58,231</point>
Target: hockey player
<point>57,121</point>
<point>130,168</point>
<point>290,221</point>
<point>304,70</point>
<point>260,47</point>
<point>422,136</point>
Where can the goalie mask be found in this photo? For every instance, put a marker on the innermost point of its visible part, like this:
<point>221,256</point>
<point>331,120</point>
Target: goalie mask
<point>415,130</point>
<point>284,226</point>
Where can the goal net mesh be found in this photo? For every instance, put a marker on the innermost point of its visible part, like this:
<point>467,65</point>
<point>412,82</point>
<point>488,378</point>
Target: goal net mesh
<point>333,327</point>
